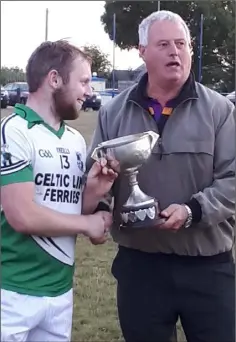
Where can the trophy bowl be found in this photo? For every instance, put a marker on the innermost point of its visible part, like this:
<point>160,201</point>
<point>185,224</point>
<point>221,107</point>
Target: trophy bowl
<point>132,151</point>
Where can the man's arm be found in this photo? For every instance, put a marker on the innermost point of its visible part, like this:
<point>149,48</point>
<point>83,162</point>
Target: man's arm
<point>17,194</point>
<point>27,217</point>
<point>90,201</point>
<point>217,202</point>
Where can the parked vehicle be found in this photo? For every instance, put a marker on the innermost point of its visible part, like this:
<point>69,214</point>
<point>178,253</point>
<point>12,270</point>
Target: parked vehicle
<point>231,97</point>
<point>94,101</point>
<point>4,97</point>
<point>18,92</point>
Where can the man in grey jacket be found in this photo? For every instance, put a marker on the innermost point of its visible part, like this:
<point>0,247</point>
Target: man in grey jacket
<point>183,268</point>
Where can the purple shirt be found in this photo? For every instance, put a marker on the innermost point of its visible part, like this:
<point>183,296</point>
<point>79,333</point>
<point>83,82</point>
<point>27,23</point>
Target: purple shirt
<point>155,108</point>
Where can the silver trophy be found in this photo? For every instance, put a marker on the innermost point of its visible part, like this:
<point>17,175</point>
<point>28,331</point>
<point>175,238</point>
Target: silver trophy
<point>132,151</point>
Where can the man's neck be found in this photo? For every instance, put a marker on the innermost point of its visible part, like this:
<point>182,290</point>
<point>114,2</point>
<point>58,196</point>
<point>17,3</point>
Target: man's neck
<point>44,108</point>
<point>162,94</point>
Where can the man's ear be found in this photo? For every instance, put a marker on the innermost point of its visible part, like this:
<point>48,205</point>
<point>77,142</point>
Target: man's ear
<point>142,50</point>
<point>54,79</point>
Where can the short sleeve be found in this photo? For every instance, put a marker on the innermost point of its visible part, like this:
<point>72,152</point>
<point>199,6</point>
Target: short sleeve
<point>15,154</point>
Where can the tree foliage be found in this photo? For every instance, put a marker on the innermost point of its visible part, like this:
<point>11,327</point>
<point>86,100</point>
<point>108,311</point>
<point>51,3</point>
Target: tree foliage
<point>218,50</point>
<point>100,63</point>
<point>14,74</point>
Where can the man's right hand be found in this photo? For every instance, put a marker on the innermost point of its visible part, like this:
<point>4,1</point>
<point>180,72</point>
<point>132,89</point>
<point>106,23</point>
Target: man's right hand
<point>98,226</point>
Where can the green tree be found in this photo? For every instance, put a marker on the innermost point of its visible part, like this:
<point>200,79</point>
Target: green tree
<point>218,50</point>
<point>100,63</point>
<point>14,74</point>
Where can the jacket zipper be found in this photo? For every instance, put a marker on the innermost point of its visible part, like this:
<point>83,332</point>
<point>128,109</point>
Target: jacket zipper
<point>160,138</point>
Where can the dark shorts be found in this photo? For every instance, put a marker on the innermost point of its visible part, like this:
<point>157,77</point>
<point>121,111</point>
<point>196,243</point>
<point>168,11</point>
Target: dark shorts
<point>154,290</point>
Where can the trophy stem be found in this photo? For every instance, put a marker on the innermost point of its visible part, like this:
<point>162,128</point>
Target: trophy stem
<point>140,209</point>
<point>137,198</point>
<point>133,179</point>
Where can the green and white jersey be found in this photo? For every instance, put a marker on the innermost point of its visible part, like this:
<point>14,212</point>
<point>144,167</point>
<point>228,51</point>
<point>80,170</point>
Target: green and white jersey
<point>31,151</point>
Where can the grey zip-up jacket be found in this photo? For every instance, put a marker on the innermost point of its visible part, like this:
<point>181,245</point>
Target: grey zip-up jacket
<point>195,158</point>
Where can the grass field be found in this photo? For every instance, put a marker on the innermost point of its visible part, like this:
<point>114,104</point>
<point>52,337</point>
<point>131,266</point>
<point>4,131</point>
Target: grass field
<point>95,315</point>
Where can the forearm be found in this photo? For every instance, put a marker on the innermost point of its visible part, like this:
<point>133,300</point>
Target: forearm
<point>217,202</point>
<point>90,201</point>
<point>42,221</point>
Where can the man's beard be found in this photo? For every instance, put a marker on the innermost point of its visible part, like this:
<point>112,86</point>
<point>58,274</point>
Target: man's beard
<point>63,109</point>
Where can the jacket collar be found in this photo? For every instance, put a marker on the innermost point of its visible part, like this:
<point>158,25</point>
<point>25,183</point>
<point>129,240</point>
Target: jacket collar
<point>139,93</point>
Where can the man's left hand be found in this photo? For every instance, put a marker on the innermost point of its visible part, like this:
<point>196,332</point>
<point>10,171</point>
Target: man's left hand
<point>175,215</point>
<point>102,176</point>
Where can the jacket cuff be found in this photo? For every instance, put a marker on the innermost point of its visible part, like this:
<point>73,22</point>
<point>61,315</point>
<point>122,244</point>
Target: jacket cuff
<point>196,209</point>
<point>102,207</point>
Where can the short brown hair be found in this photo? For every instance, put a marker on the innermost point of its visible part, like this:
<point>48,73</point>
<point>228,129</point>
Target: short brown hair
<point>57,55</point>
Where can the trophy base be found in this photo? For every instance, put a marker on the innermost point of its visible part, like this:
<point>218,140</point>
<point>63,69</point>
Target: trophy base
<point>142,217</point>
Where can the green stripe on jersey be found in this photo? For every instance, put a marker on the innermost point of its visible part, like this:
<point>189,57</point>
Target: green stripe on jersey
<point>22,176</point>
<point>28,269</point>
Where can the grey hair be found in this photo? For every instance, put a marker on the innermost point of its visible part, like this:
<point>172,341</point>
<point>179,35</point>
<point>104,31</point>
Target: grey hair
<point>160,16</point>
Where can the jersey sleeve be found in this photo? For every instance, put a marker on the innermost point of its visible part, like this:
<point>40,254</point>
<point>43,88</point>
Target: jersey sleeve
<point>16,158</point>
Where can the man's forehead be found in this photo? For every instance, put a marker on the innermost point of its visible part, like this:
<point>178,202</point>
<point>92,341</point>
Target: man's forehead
<point>166,30</point>
<point>81,66</point>
<point>82,62</point>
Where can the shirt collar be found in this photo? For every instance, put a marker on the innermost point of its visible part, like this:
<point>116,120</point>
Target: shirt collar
<point>28,114</point>
<point>33,119</point>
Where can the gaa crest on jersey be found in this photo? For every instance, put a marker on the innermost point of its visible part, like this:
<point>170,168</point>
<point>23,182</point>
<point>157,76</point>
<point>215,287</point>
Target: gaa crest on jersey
<point>79,161</point>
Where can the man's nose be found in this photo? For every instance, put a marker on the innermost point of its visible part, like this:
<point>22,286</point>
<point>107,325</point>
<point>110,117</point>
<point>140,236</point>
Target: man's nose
<point>89,91</point>
<point>173,49</point>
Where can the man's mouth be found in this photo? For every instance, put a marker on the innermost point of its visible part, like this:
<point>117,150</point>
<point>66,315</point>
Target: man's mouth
<point>174,64</point>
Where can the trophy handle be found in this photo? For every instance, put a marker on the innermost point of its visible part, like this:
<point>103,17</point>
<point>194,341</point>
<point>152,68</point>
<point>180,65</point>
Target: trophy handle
<point>154,137</point>
<point>97,154</point>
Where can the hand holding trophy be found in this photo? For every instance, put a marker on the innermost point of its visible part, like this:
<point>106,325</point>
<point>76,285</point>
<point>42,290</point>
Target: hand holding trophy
<point>131,152</point>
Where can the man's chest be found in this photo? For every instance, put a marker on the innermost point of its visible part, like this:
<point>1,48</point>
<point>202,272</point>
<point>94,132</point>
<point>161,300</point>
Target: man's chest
<point>58,168</point>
